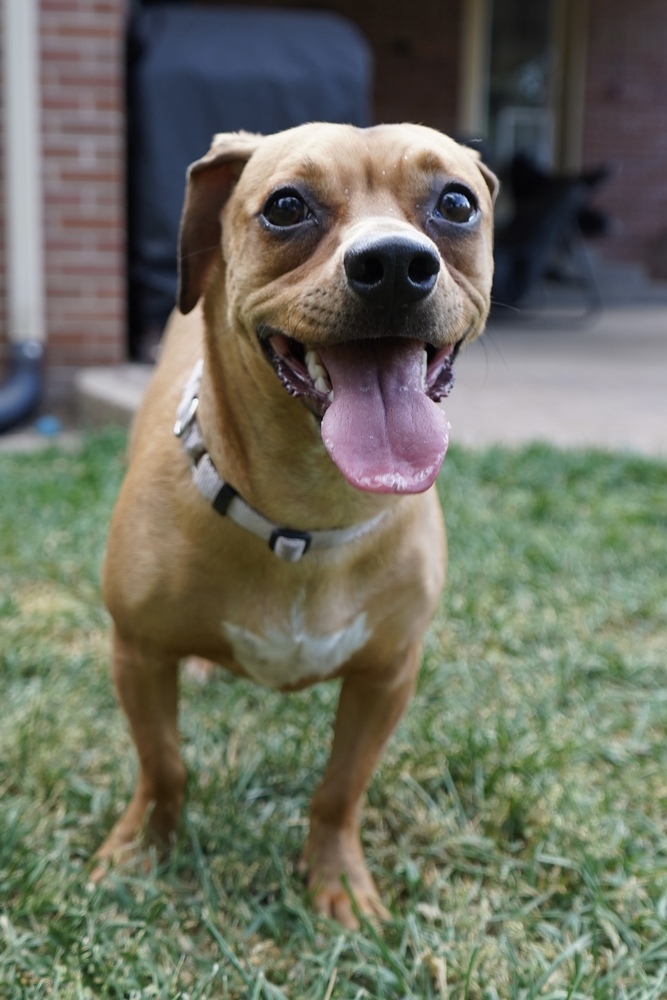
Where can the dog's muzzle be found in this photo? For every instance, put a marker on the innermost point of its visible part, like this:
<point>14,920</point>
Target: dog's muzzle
<point>375,390</point>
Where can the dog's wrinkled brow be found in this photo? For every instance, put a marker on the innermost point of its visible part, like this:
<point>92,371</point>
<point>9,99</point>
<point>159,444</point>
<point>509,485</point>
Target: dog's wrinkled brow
<point>309,167</point>
<point>428,161</point>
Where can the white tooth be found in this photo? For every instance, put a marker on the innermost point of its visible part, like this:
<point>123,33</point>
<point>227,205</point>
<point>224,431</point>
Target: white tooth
<point>316,369</point>
<point>322,385</point>
<point>424,366</point>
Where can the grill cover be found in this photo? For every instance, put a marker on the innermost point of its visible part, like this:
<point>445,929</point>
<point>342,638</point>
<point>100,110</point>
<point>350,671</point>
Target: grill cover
<point>194,71</point>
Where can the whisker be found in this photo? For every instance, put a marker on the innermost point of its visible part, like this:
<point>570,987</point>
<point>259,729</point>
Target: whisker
<point>196,253</point>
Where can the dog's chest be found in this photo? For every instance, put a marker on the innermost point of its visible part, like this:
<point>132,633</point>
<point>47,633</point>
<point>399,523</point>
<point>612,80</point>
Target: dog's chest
<point>286,652</point>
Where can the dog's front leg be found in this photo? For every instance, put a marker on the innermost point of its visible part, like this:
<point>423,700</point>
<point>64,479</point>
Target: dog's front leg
<point>368,711</point>
<point>147,686</point>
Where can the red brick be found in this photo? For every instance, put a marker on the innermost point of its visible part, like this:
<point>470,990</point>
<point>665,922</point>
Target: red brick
<point>626,118</point>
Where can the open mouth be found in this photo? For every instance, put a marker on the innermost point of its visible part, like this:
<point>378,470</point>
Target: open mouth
<point>377,403</point>
<point>303,373</point>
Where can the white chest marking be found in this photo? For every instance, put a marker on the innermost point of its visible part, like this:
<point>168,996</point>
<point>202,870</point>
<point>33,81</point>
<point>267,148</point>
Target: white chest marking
<point>287,653</point>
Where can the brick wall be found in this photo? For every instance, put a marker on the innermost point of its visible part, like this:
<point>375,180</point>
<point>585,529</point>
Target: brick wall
<point>3,244</point>
<point>83,183</point>
<point>3,278</point>
<point>417,50</point>
<point>626,118</point>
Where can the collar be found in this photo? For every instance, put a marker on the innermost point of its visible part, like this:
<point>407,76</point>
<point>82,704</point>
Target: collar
<point>288,544</point>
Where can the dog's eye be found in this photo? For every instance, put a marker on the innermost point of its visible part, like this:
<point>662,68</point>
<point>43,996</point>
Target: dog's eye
<point>457,206</point>
<point>285,208</point>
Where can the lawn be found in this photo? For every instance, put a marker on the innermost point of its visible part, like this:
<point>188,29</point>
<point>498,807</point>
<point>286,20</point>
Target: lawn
<point>517,827</point>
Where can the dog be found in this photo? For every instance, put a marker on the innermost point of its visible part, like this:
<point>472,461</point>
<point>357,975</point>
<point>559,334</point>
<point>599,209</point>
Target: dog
<point>278,515</point>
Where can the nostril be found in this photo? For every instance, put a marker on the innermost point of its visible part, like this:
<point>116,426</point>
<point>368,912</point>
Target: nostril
<point>366,269</point>
<point>423,269</point>
<point>392,271</point>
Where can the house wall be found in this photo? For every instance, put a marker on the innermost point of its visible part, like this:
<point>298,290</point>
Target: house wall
<point>417,55</point>
<point>3,265</point>
<point>83,184</point>
<point>625,123</point>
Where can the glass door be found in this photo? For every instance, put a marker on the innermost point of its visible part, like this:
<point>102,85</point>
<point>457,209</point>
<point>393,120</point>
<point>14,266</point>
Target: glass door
<point>522,67</point>
<point>522,78</point>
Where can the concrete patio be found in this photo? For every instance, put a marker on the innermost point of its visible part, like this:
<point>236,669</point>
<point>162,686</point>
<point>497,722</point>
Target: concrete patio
<point>604,384</point>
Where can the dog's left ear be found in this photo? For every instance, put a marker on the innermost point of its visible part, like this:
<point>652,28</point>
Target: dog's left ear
<point>210,181</point>
<point>492,181</point>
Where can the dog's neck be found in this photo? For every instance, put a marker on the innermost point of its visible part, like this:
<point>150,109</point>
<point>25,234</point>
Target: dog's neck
<point>240,434</point>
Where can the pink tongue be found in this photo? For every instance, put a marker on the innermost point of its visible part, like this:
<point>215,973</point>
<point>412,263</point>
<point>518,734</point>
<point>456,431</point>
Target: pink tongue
<point>382,431</point>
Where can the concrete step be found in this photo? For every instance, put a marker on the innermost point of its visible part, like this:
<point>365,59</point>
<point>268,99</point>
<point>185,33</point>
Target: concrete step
<point>110,395</point>
<point>625,282</point>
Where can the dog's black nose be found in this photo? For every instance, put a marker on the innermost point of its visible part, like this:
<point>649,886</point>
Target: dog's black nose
<point>391,271</point>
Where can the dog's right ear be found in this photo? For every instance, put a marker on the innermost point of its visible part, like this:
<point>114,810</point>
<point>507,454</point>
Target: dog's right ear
<point>210,182</point>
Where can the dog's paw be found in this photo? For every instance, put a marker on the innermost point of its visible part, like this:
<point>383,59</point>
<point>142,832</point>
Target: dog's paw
<point>340,899</point>
<point>337,877</point>
<point>116,856</point>
<point>145,830</point>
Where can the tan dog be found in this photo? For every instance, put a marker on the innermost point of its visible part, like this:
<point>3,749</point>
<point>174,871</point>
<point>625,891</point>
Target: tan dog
<point>339,271</point>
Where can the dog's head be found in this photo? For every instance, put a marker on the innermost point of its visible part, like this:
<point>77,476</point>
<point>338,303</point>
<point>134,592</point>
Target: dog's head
<point>357,261</point>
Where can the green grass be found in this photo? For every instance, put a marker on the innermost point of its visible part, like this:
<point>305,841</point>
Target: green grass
<point>517,827</point>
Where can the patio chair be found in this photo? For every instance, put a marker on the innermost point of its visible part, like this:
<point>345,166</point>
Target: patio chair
<point>544,238</point>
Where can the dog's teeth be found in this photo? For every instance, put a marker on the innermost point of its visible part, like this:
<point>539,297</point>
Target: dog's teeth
<point>424,366</point>
<point>314,365</point>
<point>317,371</point>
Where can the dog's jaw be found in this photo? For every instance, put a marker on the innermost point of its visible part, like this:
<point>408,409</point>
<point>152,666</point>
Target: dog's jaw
<point>376,402</point>
<point>304,375</point>
<point>300,370</point>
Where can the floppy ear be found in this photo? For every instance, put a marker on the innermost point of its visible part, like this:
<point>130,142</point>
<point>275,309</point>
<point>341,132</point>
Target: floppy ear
<point>492,181</point>
<point>210,182</point>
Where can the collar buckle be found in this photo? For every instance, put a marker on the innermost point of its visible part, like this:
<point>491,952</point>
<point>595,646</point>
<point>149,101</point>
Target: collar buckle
<point>289,545</point>
<point>184,422</point>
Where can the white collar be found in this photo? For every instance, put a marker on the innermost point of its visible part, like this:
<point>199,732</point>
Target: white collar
<point>288,544</point>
